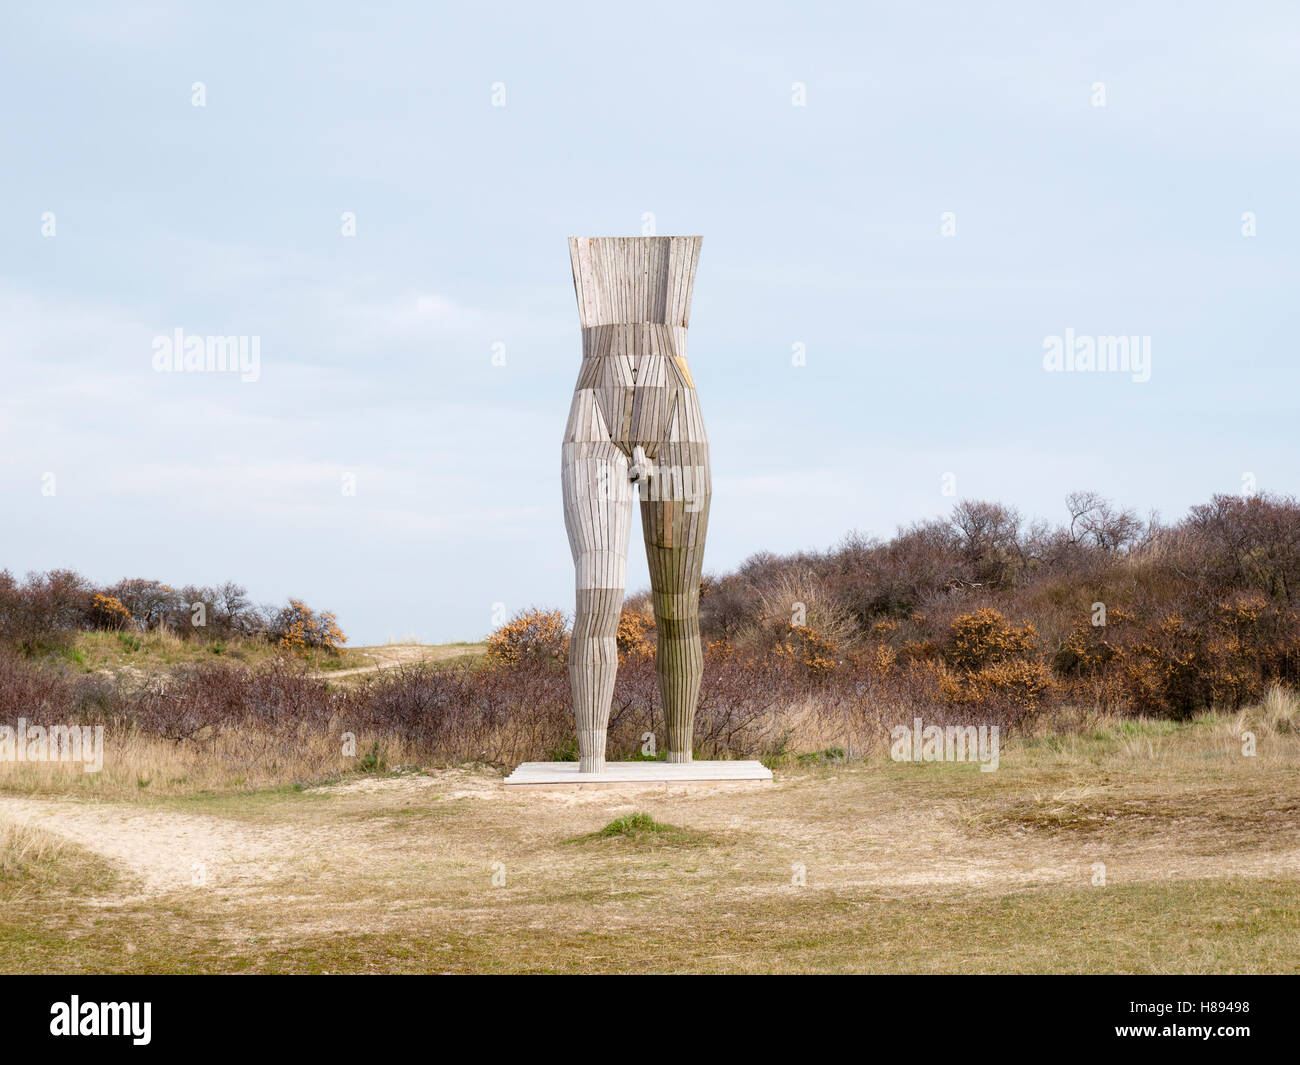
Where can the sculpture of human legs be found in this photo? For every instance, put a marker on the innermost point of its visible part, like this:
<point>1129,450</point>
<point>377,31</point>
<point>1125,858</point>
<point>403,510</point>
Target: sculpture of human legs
<point>635,418</point>
<point>597,515</point>
<point>674,519</point>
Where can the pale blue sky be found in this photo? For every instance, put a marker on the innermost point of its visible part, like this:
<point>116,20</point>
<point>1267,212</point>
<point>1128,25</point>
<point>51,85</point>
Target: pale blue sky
<point>821,226</point>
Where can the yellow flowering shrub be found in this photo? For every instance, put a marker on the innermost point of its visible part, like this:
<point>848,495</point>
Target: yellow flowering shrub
<point>298,629</point>
<point>530,636</point>
<point>108,612</point>
<point>636,635</point>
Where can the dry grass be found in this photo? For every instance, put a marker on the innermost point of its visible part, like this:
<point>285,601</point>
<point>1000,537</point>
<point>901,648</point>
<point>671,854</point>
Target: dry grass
<point>1280,710</point>
<point>23,848</point>
<point>36,864</point>
<point>230,760</point>
<point>869,865</point>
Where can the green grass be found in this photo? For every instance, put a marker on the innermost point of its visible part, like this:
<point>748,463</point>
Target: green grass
<point>634,825</point>
<point>154,652</point>
<point>1240,926</point>
<point>566,753</point>
<point>643,828</point>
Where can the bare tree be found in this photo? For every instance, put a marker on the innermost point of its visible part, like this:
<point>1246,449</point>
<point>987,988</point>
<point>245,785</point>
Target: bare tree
<point>1093,519</point>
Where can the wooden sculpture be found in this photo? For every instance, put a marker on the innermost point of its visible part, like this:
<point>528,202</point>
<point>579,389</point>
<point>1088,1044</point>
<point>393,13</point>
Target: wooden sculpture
<point>635,420</point>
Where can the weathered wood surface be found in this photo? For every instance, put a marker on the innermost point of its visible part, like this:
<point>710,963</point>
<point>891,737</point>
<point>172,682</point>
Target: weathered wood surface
<point>635,396</point>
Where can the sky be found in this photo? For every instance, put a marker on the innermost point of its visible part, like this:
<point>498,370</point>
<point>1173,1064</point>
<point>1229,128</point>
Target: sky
<point>901,206</point>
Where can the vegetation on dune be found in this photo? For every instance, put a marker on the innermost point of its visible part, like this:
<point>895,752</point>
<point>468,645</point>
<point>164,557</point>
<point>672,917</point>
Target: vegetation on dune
<point>1120,723</point>
<point>973,618</point>
<point>984,612</point>
<point>46,612</point>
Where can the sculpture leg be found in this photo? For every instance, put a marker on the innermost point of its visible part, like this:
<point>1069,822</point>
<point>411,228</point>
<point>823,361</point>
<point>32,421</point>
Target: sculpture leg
<point>674,519</point>
<point>597,514</point>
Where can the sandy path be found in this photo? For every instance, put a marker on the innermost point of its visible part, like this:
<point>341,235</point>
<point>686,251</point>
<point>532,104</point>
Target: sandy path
<point>401,654</point>
<point>166,851</point>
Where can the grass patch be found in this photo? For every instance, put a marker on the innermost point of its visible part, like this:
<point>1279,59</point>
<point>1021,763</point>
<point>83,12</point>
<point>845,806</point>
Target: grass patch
<point>32,860</point>
<point>566,753</point>
<point>642,828</point>
<point>158,651</point>
<point>1236,812</point>
<point>634,825</point>
<point>826,757</point>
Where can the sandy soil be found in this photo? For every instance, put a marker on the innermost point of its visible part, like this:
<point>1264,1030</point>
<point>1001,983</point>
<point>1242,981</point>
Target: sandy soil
<point>846,828</point>
<point>388,656</point>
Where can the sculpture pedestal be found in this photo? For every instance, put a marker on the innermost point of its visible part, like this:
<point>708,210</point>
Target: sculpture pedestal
<point>565,775</point>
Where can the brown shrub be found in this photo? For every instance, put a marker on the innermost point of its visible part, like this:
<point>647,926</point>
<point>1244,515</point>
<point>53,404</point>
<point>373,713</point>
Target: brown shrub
<point>1203,612</point>
<point>636,635</point>
<point>298,629</point>
<point>1016,686</point>
<point>1164,674</point>
<point>150,603</point>
<point>1088,650</point>
<point>532,636</point>
<point>107,612</point>
<point>985,638</point>
<point>806,651</point>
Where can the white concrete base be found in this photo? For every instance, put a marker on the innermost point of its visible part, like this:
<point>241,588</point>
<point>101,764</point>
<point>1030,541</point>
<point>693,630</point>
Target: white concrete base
<point>622,774</point>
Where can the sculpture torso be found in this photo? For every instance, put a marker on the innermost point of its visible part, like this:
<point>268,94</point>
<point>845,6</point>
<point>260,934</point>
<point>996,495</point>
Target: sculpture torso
<point>634,297</point>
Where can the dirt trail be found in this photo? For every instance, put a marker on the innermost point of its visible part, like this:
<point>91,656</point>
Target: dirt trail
<point>389,656</point>
<point>162,850</point>
<point>165,851</point>
<point>359,832</point>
